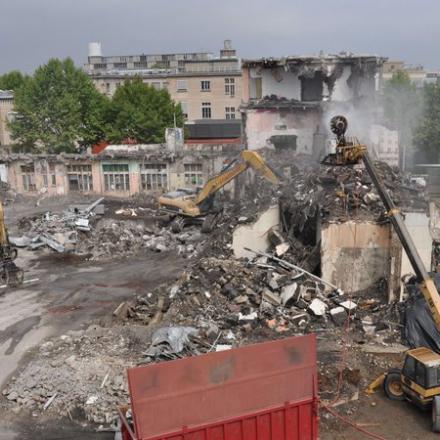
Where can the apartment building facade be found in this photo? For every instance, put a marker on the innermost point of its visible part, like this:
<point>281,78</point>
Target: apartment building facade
<point>207,87</point>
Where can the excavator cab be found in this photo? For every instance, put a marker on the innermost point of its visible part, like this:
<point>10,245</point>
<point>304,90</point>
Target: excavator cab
<point>418,382</point>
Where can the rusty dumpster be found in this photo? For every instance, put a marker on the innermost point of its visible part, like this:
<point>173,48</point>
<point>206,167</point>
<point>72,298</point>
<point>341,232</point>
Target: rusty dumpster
<point>266,391</point>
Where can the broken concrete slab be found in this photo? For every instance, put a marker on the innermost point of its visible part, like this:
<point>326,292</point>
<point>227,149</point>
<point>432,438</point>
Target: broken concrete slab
<point>282,248</point>
<point>348,305</point>
<point>318,307</point>
<point>289,294</point>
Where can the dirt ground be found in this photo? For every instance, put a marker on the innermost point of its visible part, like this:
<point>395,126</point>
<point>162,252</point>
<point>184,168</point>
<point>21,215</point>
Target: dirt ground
<point>72,293</point>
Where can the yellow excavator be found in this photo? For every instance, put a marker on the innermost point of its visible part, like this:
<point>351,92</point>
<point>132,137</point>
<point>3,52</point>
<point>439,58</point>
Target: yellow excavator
<point>10,274</point>
<point>419,379</point>
<point>189,207</point>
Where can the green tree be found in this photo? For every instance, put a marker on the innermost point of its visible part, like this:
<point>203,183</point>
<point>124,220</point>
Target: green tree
<point>58,109</point>
<point>427,135</point>
<point>12,80</point>
<point>141,112</point>
<point>402,108</point>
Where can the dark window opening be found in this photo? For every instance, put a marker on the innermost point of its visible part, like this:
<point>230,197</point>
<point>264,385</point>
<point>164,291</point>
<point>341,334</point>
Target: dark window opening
<point>312,88</point>
<point>284,141</point>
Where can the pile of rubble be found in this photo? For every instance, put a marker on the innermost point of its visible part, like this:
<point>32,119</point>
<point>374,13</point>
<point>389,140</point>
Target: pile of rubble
<point>339,193</point>
<point>81,372</point>
<point>58,231</point>
<point>88,232</point>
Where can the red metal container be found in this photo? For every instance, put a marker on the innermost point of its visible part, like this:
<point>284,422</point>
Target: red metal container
<point>265,391</point>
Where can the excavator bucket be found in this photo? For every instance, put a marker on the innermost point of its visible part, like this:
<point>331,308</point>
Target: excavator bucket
<point>266,391</point>
<point>258,163</point>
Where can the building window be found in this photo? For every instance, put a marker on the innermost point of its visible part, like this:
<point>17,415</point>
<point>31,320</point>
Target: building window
<point>80,177</point>
<point>116,177</point>
<point>193,174</point>
<point>154,176</point>
<point>120,65</point>
<point>156,85</point>
<point>28,175</point>
<point>48,173</point>
<point>206,110</point>
<point>182,85</point>
<point>230,112</point>
<point>205,86</point>
<point>230,86</point>
<point>184,106</point>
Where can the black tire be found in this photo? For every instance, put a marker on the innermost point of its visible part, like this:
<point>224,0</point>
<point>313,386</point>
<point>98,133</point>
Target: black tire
<point>436,414</point>
<point>392,385</point>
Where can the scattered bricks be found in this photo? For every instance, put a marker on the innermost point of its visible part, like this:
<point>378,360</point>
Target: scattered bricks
<point>271,297</point>
<point>338,315</point>
<point>318,307</point>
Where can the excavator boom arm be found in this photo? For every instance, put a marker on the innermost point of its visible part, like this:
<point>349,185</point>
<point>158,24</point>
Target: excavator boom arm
<point>427,285</point>
<point>250,159</point>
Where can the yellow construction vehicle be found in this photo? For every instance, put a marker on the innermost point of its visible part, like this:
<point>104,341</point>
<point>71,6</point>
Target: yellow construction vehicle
<point>419,379</point>
<point>187,206</point>
<point>10,274</point>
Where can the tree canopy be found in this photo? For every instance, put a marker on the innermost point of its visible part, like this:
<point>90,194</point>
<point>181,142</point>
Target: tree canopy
<point>427,134</point>
<point>141,112</point>
<point>58,109</point>
<point>12,80</point>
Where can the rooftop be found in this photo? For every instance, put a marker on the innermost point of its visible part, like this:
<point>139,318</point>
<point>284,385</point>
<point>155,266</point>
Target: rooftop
<point>347,57</point>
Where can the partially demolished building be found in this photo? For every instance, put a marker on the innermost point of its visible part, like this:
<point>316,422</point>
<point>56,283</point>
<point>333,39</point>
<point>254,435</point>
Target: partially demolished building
<point>118,170</point>
<point>288,101</point>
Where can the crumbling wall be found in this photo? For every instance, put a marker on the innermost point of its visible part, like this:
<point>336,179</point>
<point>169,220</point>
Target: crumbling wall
<point>355,255</point>
<point>263,124</point>
<point>277,81</point>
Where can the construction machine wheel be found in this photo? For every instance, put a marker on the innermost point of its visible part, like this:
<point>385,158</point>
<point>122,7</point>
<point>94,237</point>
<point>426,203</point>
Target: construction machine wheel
<point>177,224</point>
<point>392,385</point>
<point>436,414</point>
<point>209,223</point>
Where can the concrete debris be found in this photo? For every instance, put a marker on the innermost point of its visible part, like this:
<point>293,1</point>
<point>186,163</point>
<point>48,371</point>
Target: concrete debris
<point>68,372</point>
<point>318,307</point>
<point>349,305</point>
<point>58,231</point>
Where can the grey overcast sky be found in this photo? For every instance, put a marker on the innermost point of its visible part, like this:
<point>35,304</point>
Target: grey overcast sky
<point>32,31</point>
